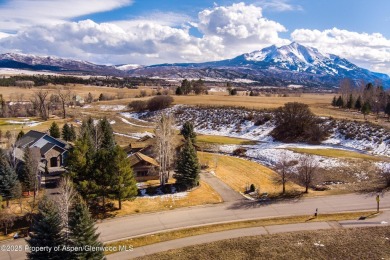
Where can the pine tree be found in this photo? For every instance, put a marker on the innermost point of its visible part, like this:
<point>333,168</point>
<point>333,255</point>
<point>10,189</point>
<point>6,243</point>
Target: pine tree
<point>366,109</point>
<point>350,102</point>
<point>66,134</point>
<point>188,166</point>
<point>334,101</point>
<point>73,134</point>
<point>107,140</point>
<point>340,102</point>
<point>179,91</point>
<point>47,232</point>
<point>54,130</point>
<point>387,110</point>
<point>8,179</point>
<point>20,135</point>
<point>358,103</point>
<point>187,131</point>
<point>124,186</point>
<point>83,232</point>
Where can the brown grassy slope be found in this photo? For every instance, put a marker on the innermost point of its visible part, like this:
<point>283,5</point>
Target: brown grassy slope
<point>360,243</point>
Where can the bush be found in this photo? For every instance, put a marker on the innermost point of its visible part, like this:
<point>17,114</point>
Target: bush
<point>239,151</point>
<point>296,123</point>
<point>263,119</point>
<point>252,188</point>
<point>159,102</point>
<point>138,105</point>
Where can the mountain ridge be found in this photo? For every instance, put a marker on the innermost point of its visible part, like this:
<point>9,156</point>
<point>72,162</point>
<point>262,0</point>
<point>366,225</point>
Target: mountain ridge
<point>273,66</point>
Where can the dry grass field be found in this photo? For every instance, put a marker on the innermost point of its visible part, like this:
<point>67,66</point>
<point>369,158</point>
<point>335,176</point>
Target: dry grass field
<point>358,243</point>
<point>239,173</point>
<point>214,139</point>
<point>199,196</point>
<point>337,153</point>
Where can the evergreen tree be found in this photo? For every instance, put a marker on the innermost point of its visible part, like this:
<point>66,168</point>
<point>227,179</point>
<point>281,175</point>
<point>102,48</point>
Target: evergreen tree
<point>83,232</point>
<point>66,134</point>
<point>187,131</point>
<point>54,130</point>
<point>188,166</point>
<point>366,109</point>
<point>80,166</point>
<point>186,87</point>
<point>20,135</point>
<point>350,102</point>
<point>387,110</point>
<point>124,184</point>
<point>73,134</point>
<point>47,232</point>
<point>358,103</point>
<point>334,101</point>
<point>107,140</point>
<point>8,179</point>
<point>340,102</point>
<point>179,91</point>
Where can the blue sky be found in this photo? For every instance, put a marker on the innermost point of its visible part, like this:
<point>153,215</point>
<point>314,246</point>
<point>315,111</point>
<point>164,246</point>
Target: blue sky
<point>151,31</point>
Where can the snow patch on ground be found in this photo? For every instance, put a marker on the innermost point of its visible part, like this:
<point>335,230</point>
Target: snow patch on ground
<point>136,135</point>
<point>129,123</point>
<point>112,107</point>
<point>135,116</point>
<point>25,122</point>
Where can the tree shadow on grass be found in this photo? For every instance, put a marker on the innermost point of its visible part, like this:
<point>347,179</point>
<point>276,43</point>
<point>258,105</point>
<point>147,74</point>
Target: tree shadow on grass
<point>289,197</point>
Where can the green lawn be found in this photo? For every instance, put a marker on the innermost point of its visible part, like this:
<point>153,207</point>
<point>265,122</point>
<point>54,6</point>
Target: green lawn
<point>215,139</point>
<point>337,153</point>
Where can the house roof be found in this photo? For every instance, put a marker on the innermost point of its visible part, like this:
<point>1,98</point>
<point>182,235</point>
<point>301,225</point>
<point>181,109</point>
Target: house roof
<point>47,147</point>
<point>139,157</point>
<point>138,145</point>
<point>29,137</point>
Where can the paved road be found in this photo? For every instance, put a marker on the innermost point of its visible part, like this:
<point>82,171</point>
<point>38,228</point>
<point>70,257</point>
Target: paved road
<point>274,229</point>
<point>125,227</point>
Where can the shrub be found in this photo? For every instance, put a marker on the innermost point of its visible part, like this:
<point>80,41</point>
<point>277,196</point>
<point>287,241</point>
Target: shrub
<point>138,105</point>
<point>239,151</point>
<point>296,123</point>
<point>252,188</point>
<point>159,102</point>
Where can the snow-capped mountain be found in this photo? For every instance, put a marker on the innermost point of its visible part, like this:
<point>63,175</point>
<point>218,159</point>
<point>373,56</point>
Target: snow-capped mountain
<point>289,64</point>
<point>292,64</point>
<point>127,67</point>
<point>49,63</point>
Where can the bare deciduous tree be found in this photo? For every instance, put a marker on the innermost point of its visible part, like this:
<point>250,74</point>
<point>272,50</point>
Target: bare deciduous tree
<point>307,170</point>
<point>164,147</point>
<point>7,219</point>
<point>41,103</point>
<point>283,168</point>
<point>65,200</point>
<point>65,96</point>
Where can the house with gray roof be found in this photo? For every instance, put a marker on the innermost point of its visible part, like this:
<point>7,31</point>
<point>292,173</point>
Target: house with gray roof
<point>52,150</point>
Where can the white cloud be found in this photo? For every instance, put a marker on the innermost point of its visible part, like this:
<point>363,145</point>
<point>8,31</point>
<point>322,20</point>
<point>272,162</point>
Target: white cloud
<point>279,5</point>
<point>242,27</point>
<point>371,51</point>
<point>228,31</point>
<point>17,14</point>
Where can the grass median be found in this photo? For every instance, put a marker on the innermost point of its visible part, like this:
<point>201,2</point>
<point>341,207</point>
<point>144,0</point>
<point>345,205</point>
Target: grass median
<point>187,232</point>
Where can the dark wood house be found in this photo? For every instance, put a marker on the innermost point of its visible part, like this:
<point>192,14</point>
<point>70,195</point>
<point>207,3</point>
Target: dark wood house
<point>144,167</point>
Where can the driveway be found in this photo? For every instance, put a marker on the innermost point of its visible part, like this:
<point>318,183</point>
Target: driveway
<point>227,194</point>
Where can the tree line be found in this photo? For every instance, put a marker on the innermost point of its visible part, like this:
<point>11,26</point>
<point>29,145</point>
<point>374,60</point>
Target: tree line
<point>364,98</point>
